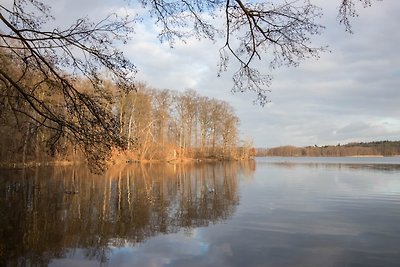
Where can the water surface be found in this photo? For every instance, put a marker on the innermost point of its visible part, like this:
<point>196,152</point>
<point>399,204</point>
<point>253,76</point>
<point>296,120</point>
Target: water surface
<point>272,212</point>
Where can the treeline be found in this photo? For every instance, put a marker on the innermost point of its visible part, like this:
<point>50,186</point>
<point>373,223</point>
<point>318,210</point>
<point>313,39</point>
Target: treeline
<point>152,124</point>
<point>166,124</point>
<point>47,115</point>
<point>377,148</point>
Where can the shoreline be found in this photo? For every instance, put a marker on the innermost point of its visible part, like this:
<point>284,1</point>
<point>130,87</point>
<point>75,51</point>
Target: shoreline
<point>109,164</point>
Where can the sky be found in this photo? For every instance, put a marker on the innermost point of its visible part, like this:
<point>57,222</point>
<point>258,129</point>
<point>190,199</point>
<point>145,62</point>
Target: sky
<point>349,94</point>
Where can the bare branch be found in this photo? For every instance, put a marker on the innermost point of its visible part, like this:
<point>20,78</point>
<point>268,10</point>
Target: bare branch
<point>85,50</point>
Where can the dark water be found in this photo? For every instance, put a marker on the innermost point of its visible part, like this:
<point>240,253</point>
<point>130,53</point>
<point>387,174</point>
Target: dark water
<point>272,212</point>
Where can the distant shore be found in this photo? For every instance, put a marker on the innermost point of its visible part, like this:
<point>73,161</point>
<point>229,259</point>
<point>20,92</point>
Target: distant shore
<point>369,149</point>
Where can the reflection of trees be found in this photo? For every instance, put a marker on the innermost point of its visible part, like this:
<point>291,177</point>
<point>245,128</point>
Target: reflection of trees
<point>45,211</point>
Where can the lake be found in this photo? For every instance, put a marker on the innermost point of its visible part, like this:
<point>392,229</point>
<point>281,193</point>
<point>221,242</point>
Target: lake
<point>267,212</point>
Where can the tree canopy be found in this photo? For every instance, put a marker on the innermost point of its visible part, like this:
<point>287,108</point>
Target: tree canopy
<point>274,32</point>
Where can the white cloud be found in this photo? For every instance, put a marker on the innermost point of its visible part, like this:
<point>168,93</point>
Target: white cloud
<point>320,102</point>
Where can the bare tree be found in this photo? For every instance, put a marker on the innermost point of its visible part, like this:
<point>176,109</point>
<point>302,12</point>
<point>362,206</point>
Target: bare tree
<point>348,10</point>
<point>162,106</point>
<point>277,32</point>
<point>204,116</point>
<point>58,58</point>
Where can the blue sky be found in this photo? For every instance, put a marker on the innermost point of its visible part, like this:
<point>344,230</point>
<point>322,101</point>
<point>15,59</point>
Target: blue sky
<point>350,94</point>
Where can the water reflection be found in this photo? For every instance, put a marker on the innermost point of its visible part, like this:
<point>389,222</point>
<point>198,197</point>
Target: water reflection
<point>45,212</point>
<point>390,164</point>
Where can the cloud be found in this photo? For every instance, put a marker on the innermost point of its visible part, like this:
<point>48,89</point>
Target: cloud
<point>357,82</point>
<point>321,102</point>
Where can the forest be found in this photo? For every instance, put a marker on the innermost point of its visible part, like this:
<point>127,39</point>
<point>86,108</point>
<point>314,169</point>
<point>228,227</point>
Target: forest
<point>153,124</point>
<point>376,148</point>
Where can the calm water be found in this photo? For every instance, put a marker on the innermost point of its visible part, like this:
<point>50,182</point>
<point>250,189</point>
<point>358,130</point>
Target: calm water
<point>271,212</point>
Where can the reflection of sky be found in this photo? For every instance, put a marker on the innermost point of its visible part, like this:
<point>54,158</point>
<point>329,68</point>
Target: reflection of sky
<point>162,250</point>
<point>159,251</point>
<point>310,217</point>
<point>302,215</point>
<point>76,257</point>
